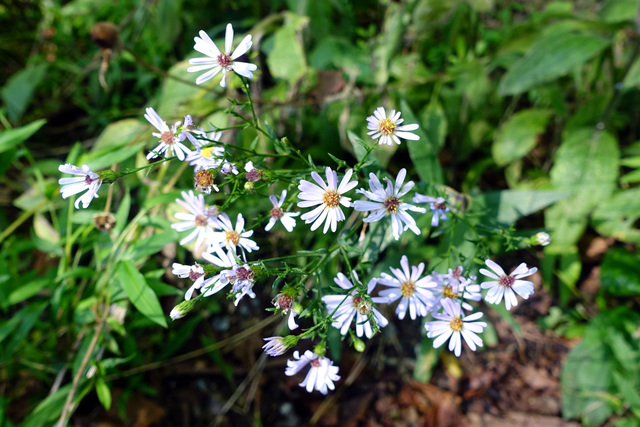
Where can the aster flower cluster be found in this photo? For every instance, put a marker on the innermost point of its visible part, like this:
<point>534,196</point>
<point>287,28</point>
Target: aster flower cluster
<point>221,240</point>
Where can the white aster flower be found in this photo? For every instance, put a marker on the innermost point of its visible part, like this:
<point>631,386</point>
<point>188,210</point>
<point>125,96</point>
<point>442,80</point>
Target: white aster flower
<point>275,346</point>
<point>209,157</point>
<point>388,201</point>
<point>197,218</point>
<point>214,284</point>
<point>278,214</point>
<point>231,237</point>
<point>328,196</point>
<point>169,141</point>
<point>285,303</point>
<point>388,129</point>
<point>507,285</point>
<point>217,61</point>
<point>415,292</point>
<point>455,287</point>
<point>343,308</point>
<point>193,272</point>
<point>321,375</point>
<point>451,325</point>
<point>229,168</point>
<point>243,280</point>
<point>86,180</point>
<point>186,130</point>
<point>438,206</point>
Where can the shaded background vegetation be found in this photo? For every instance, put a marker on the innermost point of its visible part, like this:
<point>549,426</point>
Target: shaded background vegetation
<point>528,113</point>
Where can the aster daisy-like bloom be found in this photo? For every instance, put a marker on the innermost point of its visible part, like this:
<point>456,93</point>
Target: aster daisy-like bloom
<point>227,261</point>
<point>383,202</point>
<point>285,303</point>
<point>287,218</point>
<point>209,157</point>
<point>217,61</point>
<point>187,130</point>
<point>507,285</point>
<point>328,196</point>
<point>414,292</point>
<point>86,179</point>
<point>229,168</point>
<point>197,218</point>
<point>275,346</point>
<point>193,272</point>
<point>456,287</point>
<point>321,375</point>
<point>388,129</point>
<point>343,308</point>
<point>231,237</point>
<point>169,142</point>
<point>243,280</point>
<point>451,325</point>
<point>438,206</point>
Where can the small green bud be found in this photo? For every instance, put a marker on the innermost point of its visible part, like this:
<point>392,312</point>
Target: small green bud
<point>320,350</point>
<point>358,344</point>
<point>542,239</point>
<point>181,310</point>
<point>298,308</point>
<point>107,176</point>
<point>249,186</point>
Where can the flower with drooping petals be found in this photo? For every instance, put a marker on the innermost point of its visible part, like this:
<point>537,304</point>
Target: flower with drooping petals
<point>451,325</point>
<point>215,283</point>
<point>194,272</point>
<point>217,61</point>
<point>169,142</point>
<point>388,201</point>
<point>285,303</point>
<point>287,218</point>
<point>438,206</point>
<point>321,375</point>
<point>388,129</point>
<point>86,180</point>
<point>275,346</point>
<point>507,285</point>
<point>328,196</point>
<point>203,225</point>
<point>414,292</point>
<point>343,308</point>
<point>231,237</point>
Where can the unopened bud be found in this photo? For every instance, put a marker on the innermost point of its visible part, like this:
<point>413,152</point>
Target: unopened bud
<point>249,186</point>
<point>181,310</point>
<point>320,350</point>
<point>358,344</point>
<point>542,239</point>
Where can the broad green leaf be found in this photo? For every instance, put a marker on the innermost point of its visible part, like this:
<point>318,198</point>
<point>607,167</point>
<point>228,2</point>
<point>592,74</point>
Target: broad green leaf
<point>549,58</point>
<point>632,79</point>
<point>424,152</point>
<point>176,95</point>
<point>617,216</point>
<point>49,409</point>
<point>113,156</point>
<point>11,137</point>
<point>139,293</point>
<point>287,59</point>
<point>151,245</point>
<point>519,135</point>
<point>615,11</point>
<point>620,274</point>
<point>586,166</point>
<point>507,206</point>
<point>122,132</point>
<point>18,91</point>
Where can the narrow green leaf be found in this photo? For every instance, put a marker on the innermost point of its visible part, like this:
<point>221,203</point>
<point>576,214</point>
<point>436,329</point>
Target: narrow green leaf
<point>11,137</point>
<point>519,135</point>
<point>27,290</point>
<point>549,58</point>
<point>139,293</point>
<point>103,392</point>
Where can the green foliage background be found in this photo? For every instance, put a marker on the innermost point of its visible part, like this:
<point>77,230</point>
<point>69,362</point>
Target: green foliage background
<point>530,110</point>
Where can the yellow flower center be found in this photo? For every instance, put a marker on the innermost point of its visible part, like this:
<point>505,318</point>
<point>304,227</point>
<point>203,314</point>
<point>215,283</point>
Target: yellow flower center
<point>207,153</point>
<point>386,126</point>
<point>456,324</point>
<point>391,204</point>
<point>331,198</point>
<point>448,293</point>
<point>407,288</point>
<point>362,306</point>
<point>232,237</point>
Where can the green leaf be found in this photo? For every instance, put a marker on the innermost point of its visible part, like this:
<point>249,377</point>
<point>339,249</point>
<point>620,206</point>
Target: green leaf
<point>11,137</point>
<point>519,135</point>
<point>287,60</point>
<point>49,409</point>
<point>550,57</point>
<point>111,156</point>
<point>586,166</point>
<point>507,206</point>
<point>103,392</point>
<point>424,152</point>
<point>18,91</point>
<point>139,293</point>
<point>620,273</point>
<point>616,217</point>
<point>615,11</point>
<point>27,290</point>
